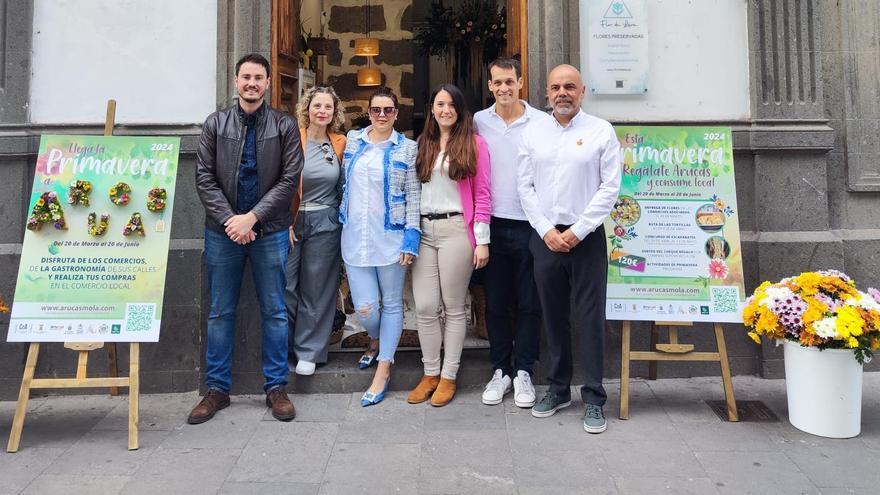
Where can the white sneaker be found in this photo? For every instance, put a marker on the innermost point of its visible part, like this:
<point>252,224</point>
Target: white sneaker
<point>523,390</point>
<point>305,368</point>
<point>497,387</point>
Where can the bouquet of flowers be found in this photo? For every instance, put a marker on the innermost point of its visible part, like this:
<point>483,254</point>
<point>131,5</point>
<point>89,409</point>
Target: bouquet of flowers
<point>3,307</point>
<point>820,309</point>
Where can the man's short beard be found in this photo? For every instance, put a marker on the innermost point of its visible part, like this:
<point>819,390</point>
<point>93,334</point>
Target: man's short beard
<point>250,100</point>
<point>568,110</point>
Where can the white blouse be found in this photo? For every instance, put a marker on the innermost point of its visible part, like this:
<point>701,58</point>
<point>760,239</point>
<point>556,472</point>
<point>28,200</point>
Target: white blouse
<point>441,195</point>
<point>365,242</point>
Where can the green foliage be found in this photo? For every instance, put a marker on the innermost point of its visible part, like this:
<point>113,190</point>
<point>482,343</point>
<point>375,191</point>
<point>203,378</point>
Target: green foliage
<point>474,22</point>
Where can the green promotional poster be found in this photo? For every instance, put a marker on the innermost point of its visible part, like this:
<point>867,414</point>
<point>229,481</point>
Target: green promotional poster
<point>95,250</point>
<point>673,235</point>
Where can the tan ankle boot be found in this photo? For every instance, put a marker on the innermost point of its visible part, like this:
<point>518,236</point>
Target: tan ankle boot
<point>423,390</point>
<point>444,393</point>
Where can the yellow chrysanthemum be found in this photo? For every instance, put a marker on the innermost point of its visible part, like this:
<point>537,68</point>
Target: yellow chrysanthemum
<point>837,286</point>
<point>849,322</point>
<point>808,283</point>
<point>768,323</point>
<point>757,338</point>
<point>815,311</point>
<point>750,312</point>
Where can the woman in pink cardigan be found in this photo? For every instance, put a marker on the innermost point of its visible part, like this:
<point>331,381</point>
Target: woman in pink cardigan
<point>453,166</point>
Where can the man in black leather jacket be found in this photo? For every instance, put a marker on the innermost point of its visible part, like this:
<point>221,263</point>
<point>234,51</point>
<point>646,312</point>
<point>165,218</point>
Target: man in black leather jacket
<point>249,161</point>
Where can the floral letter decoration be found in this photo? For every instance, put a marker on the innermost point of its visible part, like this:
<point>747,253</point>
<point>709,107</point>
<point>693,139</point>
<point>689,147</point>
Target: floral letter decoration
<point>78,194</point>
<point>120,194</point>
<point>47,209</point>
<point>134,226</point>
<point>816,309</point>
<point>95,228</point>
<point>156,199</point>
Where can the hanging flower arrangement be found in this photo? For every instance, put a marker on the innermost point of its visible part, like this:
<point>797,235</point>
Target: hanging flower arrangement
<point>473,23</point>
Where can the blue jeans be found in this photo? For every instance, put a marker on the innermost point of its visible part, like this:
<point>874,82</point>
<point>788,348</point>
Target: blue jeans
<point>225,260</point>
<point>370,286</point>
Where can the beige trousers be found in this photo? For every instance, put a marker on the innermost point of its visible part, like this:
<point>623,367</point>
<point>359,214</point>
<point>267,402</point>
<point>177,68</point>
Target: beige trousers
<point>440,278</point>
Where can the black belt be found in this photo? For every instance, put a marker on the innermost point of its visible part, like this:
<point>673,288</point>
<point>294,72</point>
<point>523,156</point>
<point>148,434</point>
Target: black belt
<point>440,216</point>
<point>562,228</point>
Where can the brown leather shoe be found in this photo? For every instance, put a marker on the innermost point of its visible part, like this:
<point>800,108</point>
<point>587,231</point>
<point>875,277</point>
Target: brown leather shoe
<point>212,402</point>
<point>423,390</point>
<point>444,393</point>
<point>282,408</point>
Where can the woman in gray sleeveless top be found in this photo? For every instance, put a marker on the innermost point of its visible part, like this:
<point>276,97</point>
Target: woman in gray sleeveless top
<point>314,262</point>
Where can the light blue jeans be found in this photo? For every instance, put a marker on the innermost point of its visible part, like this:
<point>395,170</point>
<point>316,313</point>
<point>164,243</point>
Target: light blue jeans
<point>377,293</point>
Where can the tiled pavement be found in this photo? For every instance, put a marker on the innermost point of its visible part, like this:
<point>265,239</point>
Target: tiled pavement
<point>673,443</point>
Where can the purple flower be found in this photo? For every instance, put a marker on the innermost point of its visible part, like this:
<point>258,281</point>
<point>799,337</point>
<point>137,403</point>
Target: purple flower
<point>874,293</point>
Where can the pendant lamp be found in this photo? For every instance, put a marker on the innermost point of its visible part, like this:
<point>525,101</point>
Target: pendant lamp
<point>366,46</point>
<point>369,76</point>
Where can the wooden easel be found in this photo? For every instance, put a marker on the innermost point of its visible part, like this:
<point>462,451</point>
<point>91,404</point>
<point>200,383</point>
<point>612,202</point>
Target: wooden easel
<point>673,351</point>
<point>28,382</point>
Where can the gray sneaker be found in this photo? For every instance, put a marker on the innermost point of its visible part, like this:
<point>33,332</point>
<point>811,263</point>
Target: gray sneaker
<point>549,405</point>
<point>594,419</point>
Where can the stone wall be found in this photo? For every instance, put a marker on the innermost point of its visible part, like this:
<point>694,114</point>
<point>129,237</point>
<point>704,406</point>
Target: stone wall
<point>391,23</point>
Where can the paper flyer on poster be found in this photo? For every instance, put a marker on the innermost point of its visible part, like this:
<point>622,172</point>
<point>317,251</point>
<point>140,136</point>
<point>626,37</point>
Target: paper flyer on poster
<point>95,250</point>
<point>673,235</point>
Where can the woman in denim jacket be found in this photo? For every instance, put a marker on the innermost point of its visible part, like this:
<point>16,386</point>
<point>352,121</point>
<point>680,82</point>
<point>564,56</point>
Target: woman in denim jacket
<point>380,232</point>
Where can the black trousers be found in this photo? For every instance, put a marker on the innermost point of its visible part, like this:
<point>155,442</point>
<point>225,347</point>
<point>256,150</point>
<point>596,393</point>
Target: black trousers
<point>513,311</point>
<point>571,287</point>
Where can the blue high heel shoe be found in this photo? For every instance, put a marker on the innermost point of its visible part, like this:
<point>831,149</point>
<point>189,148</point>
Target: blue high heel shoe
<point>368,360</point>
<point>371,399</point>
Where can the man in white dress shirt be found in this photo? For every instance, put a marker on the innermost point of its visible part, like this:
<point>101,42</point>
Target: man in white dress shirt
<point>509,277</point>
<point>569,178</point>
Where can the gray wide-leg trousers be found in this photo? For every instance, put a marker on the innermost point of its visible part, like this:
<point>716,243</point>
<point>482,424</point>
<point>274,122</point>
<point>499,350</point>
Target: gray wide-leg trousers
<point>312,273</point>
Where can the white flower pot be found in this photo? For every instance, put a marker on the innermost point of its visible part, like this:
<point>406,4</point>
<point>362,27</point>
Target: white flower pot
<point>824,390</point>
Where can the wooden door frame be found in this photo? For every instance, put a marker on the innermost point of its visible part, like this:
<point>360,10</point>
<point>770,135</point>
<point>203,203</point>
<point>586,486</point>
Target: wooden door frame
<point>284,65</point>
<point>518,38</point>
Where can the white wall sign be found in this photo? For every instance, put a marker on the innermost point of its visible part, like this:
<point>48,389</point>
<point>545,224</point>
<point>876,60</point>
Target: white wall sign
<point>699,58</point>
<point>617,34</point>
<point>157,59</point>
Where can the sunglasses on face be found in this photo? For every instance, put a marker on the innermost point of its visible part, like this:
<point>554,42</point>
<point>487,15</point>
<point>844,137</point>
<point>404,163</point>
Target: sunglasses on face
<point>376,111</point>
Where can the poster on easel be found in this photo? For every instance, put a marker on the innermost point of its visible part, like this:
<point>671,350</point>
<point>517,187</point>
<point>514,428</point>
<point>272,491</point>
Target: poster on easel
<point>673,235</point>
<point>95,251</point>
